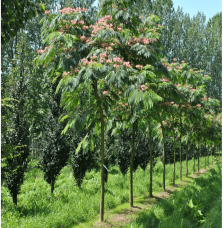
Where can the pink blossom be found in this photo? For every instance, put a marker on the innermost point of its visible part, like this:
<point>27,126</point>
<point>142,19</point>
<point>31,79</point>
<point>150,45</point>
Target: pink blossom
<point>196,71</point>
<point>174,59</point>
<point>159,25</point>
<point>94,57</point>
<point>183,61</point>
<point>165,80</point>
<point>205,75</point>
<point>198,105</point>
<point>105,92</point>
<point>127,64</point>
<point>47,12</point>
<point>108,61</point>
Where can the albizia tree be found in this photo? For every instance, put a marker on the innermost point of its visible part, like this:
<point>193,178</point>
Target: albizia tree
<point>99,60</point>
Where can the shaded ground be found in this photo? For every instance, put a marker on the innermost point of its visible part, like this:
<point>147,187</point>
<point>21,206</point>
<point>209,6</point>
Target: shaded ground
<point>121,217</point>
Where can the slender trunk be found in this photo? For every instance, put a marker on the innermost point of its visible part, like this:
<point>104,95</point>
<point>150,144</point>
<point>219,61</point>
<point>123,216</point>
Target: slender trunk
<point>198,158</point>
<point>194,159</point>
<point>79,185</point>
<point>163,159</point>
<point>14,198</point>
<point>174,158</point>
<point>208,155</point>
<point>32,149</point>
<point>212,156</point>
<point>131,165</point>
<point>52,184</point>
<point>187,161</point>
<point>180,149</point>
<point>151,164</point>
<point>205,152</point>
<point>101,216</point>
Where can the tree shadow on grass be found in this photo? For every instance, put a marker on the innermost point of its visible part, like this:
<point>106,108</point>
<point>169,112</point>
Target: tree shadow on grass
<point>167,212</point>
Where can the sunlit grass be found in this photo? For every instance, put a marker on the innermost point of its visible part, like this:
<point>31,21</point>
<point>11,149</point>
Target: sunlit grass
<point>205,193</point>
<point>70,205</point>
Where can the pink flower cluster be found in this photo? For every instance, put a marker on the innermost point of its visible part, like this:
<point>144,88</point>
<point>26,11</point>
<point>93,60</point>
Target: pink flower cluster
<point>105,92</point>
<point>198,105</point>
<point>141,40</point>
<point>143,87</point>
<point>108,48</point>
<point>174,59</point>
<point>66,73</point>
<point>139,66</point>
<point>102,57</point>
<point>118,59</point>
<point>70,10</point>
<point>93,57</point>
<point>127,64</point>
<point>47,12</point>
<point>165,80</point>
<point>41,51</point>
<point>123,105</point>
<point>102,24</point>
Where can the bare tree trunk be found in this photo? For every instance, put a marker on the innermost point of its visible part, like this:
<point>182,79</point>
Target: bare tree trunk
<point>79,184</point>
<point>101,216</point>
<point>180,150</point>
<point>52,184</point>
<point>187,161</point>
<point>163,159</point>
<point>194,158</point>
<point>198,158</point>
<point>14,198</point>
<point>205,153</point>
<point>174,158</point>
<point>131,165</point>
<point>151,164</point>
<point>208,155</point>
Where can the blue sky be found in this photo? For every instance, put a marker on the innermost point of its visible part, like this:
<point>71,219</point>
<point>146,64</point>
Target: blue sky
<point>208,7</point>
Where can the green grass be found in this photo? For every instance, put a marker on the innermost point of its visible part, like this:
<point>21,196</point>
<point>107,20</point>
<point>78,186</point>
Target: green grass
<point>69,205</point>
<point>197,205</point>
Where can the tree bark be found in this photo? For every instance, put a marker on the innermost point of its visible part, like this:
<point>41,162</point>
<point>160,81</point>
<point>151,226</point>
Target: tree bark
<point>101,216</point>
<point>198,158</point>
<point>163,159</point>
<point>52,184</point>
<point>187,161</point>
<point>131,166</point>
<point>205,153</point>
<point>180,150</point>
<point>151,164</point>
<point>194,159</point>
<point>174,158</point>
<point>208,155</point>
<point>14,198</point>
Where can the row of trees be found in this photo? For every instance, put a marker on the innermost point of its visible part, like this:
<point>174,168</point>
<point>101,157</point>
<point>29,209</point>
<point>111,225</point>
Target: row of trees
<point>113,74</point>
<point>113,80</point>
